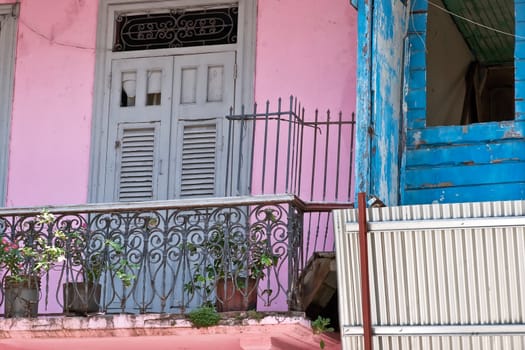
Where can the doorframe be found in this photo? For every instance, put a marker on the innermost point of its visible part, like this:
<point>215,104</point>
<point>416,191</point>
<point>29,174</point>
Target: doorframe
<point>245,83</point>
<point>9,15</point>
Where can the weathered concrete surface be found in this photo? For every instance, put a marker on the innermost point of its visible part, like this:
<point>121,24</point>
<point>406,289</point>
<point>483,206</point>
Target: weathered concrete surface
<point>159,332</point>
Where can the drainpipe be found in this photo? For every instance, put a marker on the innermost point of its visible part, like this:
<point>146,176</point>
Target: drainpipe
<point>365,280</point>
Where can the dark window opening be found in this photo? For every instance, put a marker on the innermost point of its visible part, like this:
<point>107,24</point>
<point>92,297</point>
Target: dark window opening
<point>470,69</point>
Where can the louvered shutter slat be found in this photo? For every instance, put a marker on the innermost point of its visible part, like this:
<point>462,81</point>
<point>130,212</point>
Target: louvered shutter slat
<point>137,163</point>
<point>198,168</point>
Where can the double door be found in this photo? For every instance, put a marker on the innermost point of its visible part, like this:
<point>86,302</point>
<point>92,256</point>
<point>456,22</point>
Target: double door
<point>166,126</point>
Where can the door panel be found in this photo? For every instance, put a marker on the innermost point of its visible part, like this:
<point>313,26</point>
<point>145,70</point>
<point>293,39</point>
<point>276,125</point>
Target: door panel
<point>203,90</point>
<point>140,116</point>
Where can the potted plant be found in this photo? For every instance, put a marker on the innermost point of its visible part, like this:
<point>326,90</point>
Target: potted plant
<point>87,261</point>
<point>81,295</point>
<point>24,259</point>
<point>231,263</point>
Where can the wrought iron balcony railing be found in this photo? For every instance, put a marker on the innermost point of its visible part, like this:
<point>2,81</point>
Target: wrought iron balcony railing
<point>166,257</point>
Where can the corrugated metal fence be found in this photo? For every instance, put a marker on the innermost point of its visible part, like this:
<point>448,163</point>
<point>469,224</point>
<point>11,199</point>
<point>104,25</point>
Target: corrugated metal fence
<point>443,276</point>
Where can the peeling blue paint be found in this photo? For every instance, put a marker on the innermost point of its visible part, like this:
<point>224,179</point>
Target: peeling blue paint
<point>478,162</point>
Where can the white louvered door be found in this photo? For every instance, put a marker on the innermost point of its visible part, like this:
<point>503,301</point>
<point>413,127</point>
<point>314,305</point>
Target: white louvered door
<point>165,128</point>
<point>203,89</point>
<point>139,129</point>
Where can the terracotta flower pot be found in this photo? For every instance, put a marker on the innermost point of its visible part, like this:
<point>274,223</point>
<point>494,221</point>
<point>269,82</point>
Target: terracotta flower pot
<point>21,296</point>
<point>231,298</point>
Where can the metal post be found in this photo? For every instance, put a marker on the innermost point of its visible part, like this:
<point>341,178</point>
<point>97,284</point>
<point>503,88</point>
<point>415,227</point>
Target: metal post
<point>365,286</point>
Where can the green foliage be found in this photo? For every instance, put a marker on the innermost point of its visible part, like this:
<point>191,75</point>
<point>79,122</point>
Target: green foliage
<point>205,316</point>
<point>123,266</point>
<point>321,325</point>
<point>233,255</point>
<point>255,315</point>
<point>31,255</point>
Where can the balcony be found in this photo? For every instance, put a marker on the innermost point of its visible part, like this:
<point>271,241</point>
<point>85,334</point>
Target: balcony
<point>167,258</point>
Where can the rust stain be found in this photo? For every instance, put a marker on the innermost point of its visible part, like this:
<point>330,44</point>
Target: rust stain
<point>468,162</point>
<point>439,185</point>
<point>503,160</point>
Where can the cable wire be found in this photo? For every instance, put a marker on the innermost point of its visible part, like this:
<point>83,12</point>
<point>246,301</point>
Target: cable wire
<point>474,22</point>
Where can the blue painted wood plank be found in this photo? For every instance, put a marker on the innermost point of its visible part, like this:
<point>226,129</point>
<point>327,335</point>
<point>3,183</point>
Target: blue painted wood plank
<point>416,99</point>
<point>499,192</point>
<point>473,133</point>
<point>419,5</point>
<point>417,42</point>
<point>416,118</point>
<point>418,59</point>
<point>519,11</point>
<point>417,79</point>
<point>363,102</point>
<point>483,153</point>
<point>418,23</point>
<point>452,176</point>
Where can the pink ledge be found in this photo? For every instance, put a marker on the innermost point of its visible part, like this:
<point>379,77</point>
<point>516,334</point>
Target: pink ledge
<point>160,332</point>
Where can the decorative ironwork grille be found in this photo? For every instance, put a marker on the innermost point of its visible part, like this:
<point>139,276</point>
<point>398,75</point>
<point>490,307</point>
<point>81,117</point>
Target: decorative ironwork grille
<point>177,28</point>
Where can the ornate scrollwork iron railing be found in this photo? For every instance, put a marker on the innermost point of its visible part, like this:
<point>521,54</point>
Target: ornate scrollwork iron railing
<point>167,257</point>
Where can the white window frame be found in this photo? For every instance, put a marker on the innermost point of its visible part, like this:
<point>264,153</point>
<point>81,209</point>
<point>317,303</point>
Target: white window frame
<point>8,19</point>
<point>245,48</point>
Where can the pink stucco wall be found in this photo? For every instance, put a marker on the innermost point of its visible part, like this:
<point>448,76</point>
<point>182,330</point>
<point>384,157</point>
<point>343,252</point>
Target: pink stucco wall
<point>304,47</point>
<point>50,126</point>
<point>307,48</point>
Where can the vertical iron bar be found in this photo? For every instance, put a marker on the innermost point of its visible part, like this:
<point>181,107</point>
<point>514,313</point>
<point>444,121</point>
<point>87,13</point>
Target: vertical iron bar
<point>265,148</point>
<point>250,166</point>
<point>300,151</point>
<point>352,145</point>
<point>326,228</point>
<point>240,160</point>
<point>314,155</point>
<point>365,286</point>
<point>295,149</point>
<point>326,153</point>
<point>228,149</point>
<point>277,137</point>
<point>290,121</point>
<point>339,127</point>
<point>309,236</point>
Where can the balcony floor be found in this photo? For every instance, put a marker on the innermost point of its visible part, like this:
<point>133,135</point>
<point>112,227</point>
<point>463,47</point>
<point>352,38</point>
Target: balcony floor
<point>160,332</point>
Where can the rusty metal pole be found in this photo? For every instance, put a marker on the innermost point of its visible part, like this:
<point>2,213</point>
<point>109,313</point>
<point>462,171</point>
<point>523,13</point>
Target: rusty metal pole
<point>365,284</point>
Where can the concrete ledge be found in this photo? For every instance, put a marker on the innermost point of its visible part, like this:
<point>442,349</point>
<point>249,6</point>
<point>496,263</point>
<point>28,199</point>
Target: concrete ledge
<point>286,331</point>
<point>132,325</point>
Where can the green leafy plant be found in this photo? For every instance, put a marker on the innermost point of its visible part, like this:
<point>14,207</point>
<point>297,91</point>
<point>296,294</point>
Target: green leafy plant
<point>321,325</point>
<point>109,256</point>
<point>31,255</point>
<point>231,256</point>
<point>205,316</point>
<point>124,265</point>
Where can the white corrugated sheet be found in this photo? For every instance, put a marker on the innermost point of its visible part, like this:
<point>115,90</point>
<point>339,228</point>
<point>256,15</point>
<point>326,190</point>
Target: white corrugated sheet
<point>442,276</point>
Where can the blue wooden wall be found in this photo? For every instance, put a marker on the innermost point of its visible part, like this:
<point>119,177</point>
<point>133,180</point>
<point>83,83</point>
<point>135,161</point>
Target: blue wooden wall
<point>477,162</point>
<point>382,27</point>
<point>401,160</point>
